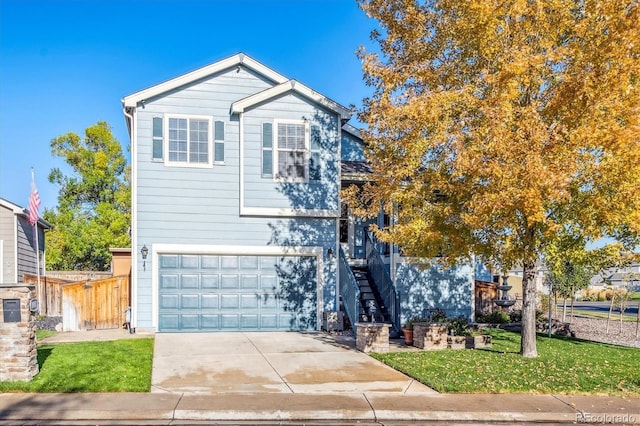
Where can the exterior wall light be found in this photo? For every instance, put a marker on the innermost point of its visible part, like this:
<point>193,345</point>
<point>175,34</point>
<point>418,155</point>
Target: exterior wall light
<point>144,251</point>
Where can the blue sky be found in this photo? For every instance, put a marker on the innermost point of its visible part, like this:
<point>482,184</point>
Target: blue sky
<point>64,65</point>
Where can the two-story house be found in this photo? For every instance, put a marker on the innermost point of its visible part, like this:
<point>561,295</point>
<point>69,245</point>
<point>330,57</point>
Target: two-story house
<point>237,219</point>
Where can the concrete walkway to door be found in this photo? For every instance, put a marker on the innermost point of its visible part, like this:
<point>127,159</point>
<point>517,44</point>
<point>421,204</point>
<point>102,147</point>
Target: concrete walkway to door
<point>269,362</point>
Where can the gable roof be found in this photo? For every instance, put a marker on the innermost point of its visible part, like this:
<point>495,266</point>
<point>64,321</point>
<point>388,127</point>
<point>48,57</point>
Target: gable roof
<point>232,61</point>
<point>290,86</point>
<point>21,211</point>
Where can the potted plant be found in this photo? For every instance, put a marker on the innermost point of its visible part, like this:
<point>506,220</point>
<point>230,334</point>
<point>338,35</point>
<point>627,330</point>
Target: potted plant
<point>407,330</point>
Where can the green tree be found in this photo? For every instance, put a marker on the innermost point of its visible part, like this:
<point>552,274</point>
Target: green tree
<point>94,202</point>
<point>494,127</point>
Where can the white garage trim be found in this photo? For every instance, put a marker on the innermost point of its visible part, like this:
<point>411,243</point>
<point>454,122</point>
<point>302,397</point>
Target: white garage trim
<point>158,249</point>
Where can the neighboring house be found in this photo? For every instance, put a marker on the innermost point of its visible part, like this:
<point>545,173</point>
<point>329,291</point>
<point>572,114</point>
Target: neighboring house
<point>624,277</point>
<point>237,222</point>
<point>17,243</point>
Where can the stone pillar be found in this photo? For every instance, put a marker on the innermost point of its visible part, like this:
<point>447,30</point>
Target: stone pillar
<point>18,354</point>
<point>429,336</point>
<point>372,337</point>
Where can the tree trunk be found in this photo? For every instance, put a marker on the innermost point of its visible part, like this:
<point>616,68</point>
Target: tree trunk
<point>528,347</point>
<point>564,309</point>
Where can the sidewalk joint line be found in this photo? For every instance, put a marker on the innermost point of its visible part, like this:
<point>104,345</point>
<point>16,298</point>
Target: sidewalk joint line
<point>572,406</point>
<point>173,414</point>
<point>270,365</point>
<point>373,410</point>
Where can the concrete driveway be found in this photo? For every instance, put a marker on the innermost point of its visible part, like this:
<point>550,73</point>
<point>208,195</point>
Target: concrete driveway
<point>270,362</point>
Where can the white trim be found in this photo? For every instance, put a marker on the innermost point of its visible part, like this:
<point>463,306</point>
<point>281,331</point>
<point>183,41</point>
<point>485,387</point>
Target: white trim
<point>15,248</point>
<point>317,251</point>
<point>241,146</point>
<point>1,261</point>
<point>286,212</point>
<point>276,149</point>
<point>290,86</point>
<point>235,60</point>
<point>165,149</point>
<point>134,217</point>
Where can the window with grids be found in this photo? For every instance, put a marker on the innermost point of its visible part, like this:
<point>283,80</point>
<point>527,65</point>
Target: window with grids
<point>189,140</point>
<point>292,151</point>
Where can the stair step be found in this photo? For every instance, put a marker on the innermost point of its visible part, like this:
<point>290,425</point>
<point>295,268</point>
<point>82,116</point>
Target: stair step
<point>367,296</point>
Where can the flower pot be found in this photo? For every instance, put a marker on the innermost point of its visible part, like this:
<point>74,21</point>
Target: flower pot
<point>408,336</point>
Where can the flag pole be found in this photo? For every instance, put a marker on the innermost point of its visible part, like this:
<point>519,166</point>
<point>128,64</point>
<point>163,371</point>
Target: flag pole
<point>37,238</point>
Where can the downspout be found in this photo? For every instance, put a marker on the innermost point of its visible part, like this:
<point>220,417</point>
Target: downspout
<point>134,232</point>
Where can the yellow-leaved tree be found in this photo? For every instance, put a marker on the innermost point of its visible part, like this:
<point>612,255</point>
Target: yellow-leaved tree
<point>495,127</point>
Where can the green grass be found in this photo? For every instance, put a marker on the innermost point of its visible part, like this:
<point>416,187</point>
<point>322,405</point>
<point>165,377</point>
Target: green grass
<point>43,334</point>
<point>116,366</point>
<point>564,365</point>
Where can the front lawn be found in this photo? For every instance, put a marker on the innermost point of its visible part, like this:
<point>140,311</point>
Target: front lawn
<point>117,366</point>
<point>564,365</point>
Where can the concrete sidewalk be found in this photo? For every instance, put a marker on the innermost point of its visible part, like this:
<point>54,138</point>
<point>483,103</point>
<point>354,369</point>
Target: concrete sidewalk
<point>364,408</point>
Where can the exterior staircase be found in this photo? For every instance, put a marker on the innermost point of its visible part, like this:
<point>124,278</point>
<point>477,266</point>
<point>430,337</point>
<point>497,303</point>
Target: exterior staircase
<point>371,307</point>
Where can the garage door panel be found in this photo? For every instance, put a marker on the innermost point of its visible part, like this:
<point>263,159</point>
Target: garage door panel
<point>169,261</point>
<point>249,301</point>
<point>229,282</point>
<point>269,321</point>
<point>189,261</point>
<point>169,301</point>
<point>210,301</point>
<point>249,321</point>
<point>210,322</point>
<point>229,321</point>
<point>189,281</point>
<point>229,301</point>
<point>189,322</point>
<point>209,262</point>
<point>236,292</point>
<point>189,301</point>
<point>169,281</point>
<point>269,301</point>
<point>229,262</point>
<point>208,281</point>
<point>248,262</point>
<point>169,322</point>
<point>249,282</point>
<point>268,282</point>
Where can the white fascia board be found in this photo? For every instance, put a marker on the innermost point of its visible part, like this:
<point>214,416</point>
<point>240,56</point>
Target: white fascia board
<point>235,60</point>
<point>278,212</point>
<point>354,131</point>
<point>294,86</point>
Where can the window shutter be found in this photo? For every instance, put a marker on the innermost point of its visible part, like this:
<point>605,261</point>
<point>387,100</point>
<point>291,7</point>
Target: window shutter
<point>157,148</point>
<point>267,149</point>
<point>314,158</point>
<point>219,141</point>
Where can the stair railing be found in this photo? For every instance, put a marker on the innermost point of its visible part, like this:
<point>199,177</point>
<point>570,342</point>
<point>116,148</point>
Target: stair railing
<point>349,290</point>
<point>382,280</point>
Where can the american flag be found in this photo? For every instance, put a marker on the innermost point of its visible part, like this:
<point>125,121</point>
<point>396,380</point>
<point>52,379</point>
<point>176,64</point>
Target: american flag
<point>34,202</point>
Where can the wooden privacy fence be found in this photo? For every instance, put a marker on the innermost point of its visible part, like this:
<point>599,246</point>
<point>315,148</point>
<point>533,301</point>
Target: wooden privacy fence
<point>99,304</point>
<point>49,293</point>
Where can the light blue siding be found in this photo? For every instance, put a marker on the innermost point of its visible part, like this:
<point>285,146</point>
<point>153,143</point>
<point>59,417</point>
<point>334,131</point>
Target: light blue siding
<point>265,191</point>
<point>201,206</point>
<point>351,148</point>
<point>422,288</point>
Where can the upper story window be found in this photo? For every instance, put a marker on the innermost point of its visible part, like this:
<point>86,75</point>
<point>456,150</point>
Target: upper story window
<point>292,150</point>
<point>189,140</point>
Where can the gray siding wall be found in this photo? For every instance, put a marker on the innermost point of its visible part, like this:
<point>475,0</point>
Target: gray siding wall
<point>201,206</point>
<point>351,148</point>
<point>7,235</point>
<point>266,191</point>
<point>26,248</point>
